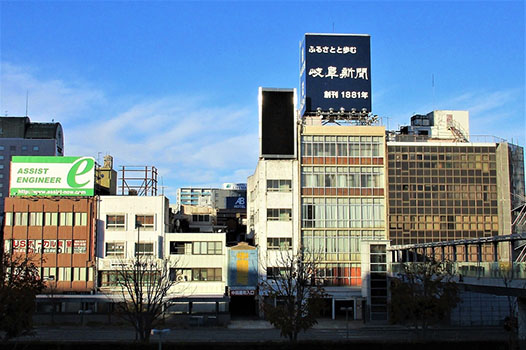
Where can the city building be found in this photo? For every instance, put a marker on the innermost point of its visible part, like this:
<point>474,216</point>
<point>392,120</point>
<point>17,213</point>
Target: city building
<point>50,218</point>
<point>58,235</point>
<point>213,210</point>
<point>444,186</point>
<point>21,137</point>
<point>127,227</point>
<point>198,266</point>
<point>324,195</point>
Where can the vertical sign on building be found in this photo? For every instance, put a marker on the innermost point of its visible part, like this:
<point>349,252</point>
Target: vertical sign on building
<point>277,122</point>
<point>335,72</point>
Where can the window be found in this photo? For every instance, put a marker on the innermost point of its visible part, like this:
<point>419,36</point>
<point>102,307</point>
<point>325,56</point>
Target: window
<point>36,148</point>
<point>115,249</point>
<point>79,274</point>
<point>8,219</point>
<point>274,273</point>
<point>279,185</point>
<point>49,273</point>
<point>21,219</point>
<point>66,219</point>
<point>279,243</point>
<point>115,222</point>
<point>81,219</point>
<point>24,148</point>
<point>51,219</point>
<point>201,218</point>
<point>1,157</point>
<point>7,246</point>
<point>64,273</point>
<point>206,248</point>
<point>144,221</point>
<point>2,148</point>
<point>144,249</point>
<point>279,214</point>
<point>12,148</point>
<point>180,248</point>
<point>207,274</point>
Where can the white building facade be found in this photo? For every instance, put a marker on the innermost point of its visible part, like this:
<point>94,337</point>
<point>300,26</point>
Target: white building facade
<point>129,226</point>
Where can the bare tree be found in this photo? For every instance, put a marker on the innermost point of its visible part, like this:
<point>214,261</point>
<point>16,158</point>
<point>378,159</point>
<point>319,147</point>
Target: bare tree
<point>20,282</point>
<point>295,299</point>
<point>144,284</point>
<point>424,293</point>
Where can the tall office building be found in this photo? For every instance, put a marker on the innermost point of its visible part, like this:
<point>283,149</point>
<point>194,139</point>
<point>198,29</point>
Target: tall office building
<point>445,185</point>
<point>21,137</point>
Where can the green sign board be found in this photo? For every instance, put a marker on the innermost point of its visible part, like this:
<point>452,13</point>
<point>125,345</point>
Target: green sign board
<point>52,176</point>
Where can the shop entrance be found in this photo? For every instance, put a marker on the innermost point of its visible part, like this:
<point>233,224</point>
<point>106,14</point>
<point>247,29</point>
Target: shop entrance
<point>243,306</point>
<point>343,306</point>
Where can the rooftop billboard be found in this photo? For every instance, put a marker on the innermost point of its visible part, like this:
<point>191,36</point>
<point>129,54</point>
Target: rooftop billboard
<point>52,176</point>
<point>335,72</point>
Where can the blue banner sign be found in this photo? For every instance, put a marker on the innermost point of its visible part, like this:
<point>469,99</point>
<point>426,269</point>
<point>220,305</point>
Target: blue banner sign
<point>335,72</point>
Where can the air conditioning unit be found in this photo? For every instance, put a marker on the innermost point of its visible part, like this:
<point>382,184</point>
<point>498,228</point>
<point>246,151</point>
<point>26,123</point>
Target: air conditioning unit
<point>181,278</point>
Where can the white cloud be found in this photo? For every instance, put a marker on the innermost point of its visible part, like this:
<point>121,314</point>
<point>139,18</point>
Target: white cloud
<point>191,144</point>
<point>48,99</point>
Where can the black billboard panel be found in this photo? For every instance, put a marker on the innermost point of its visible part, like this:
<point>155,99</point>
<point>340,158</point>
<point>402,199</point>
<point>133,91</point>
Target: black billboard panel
<point>277,123</point>
<point>335,72</point>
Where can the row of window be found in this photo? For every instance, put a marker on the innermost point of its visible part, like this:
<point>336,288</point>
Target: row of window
<point>116,278</point>
<point>118,249</point>
<point>279,214</point>
<point>343,212</point>
<point>39,246</point>
<point>45,219</point>
<point>24,148</point>
<point>342,177</point>
<point>196,274</point>
<point>440,149</point>
<point>67,274</point>
<point>196,248</point>
<point>279,243</point>
<point>342,146</point>
<point>337,245</point>
<point>461,190</point>
<point>328,274</point>
<point>117,222</point>
<point>201,218</point>
<point>279,185</point>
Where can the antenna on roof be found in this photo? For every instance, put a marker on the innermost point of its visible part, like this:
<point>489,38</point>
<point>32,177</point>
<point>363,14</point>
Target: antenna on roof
<point>433,87</point>
<point>27,100</point>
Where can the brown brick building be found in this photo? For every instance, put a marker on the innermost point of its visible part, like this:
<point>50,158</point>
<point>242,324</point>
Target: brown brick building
<point>59,234</point>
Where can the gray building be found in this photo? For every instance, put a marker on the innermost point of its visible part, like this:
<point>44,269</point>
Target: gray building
<point>21,137</point>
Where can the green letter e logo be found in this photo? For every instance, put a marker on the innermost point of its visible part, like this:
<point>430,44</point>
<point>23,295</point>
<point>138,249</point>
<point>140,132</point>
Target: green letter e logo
<point>78,170</point>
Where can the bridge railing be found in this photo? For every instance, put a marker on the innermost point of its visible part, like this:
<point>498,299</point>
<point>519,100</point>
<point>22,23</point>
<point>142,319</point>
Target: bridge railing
<point>500,270</point>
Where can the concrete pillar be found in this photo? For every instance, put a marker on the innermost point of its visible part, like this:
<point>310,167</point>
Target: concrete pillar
<point>466,253</point>
<point>333,309</point>
<point>496,251</point>
<point>443,253</point>
<point>454,253</point>
<point>479,252</point>
<point>521,303</point>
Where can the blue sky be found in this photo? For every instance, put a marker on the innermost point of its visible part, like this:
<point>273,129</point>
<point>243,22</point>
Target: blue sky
<point>174,84</point>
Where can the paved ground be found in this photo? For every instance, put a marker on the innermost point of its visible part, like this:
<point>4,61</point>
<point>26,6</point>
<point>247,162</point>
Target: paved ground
<point>259,331</point>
